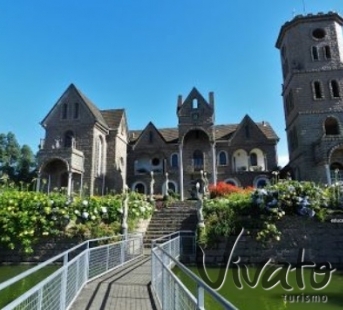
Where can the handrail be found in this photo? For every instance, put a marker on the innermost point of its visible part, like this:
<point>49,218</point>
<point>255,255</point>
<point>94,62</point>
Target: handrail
<point>164,257</point>
<point>51,260</point>
<point>198,280</point>
<point>86,265</point>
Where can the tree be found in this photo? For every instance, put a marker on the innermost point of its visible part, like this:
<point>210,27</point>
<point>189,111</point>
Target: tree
<point>18,163</point>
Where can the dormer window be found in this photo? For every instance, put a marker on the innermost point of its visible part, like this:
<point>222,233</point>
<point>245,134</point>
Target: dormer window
<point>76,110</point>
<point>195,103</point>
<point>151,137</point>
<point>247,132</point>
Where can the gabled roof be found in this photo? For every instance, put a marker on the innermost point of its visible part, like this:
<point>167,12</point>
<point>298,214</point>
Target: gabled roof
<point>113,117</point>
<point>263,127</point>
<point>91,106</point>
<point>222,132</point>
<point>88,103</point>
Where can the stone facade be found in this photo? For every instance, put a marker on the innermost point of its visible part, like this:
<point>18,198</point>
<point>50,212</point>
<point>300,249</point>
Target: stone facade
<point>89,150</point>
<point>311,49</point>
<point>242,154</point>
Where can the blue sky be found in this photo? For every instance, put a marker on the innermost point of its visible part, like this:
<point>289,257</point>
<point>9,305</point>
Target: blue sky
<point>141,54</point>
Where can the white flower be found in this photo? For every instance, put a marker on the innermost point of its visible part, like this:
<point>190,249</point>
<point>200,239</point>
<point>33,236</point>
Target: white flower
<point>103,209</point>
<point>85,214</point>
<point>77,212</point>
<point>51,202</point>
<point>93,217</point>
<point>85,202</point>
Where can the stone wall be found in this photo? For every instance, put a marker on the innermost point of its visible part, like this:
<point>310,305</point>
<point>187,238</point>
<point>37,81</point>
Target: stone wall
<point>321,241</point>
<point>43,250</point>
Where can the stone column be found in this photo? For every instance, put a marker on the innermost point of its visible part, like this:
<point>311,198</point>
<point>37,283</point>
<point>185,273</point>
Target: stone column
<point>81,185</point>
<point>152,182</point>
<point>328,173</point>
<point>181,172</point>
<point>70,175</point>
<point>214,165</point>
<point>167,185</point>
<point>38,182</point>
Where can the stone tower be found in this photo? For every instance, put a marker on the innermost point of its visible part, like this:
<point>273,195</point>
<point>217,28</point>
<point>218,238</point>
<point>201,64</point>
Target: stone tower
<point>311,49</point>
<point>196,138</point>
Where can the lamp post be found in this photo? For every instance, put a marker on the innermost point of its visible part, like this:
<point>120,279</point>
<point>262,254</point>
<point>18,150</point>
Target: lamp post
<point>125,209</point>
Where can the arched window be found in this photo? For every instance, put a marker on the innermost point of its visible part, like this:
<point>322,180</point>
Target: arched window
<point>331,126</point>
<point>335,89</point>
<point>222,158</point>
<point>261,181</point>
<point>174,161</point>
<point>327,52</point>
<point>139,187</point>
<point>318,93</point>
<point>195,103</point>
<point>253,159</point>
<point>232,181</point>
<point>99,156</point>
<point>198,159</point>
<point>315,55</point>
<point>68,139</point>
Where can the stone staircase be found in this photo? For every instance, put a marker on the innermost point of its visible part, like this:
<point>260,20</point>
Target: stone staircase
<point>178,216</point>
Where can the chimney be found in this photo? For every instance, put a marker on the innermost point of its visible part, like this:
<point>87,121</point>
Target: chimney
<point>179,102</point>
<point>211,99</point>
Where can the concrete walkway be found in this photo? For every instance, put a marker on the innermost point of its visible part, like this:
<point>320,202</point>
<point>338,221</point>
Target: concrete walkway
<point>126,288</point>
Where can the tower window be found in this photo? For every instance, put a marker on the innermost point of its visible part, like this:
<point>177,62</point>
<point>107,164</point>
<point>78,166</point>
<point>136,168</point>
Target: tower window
<point>331,126</point>
<point>195,103</point>
<point>64,111</point>
<point>318,93</point>
<point>318,33</point>
<point>315,55</point>
<point>335,89</point>
<point>327,52</point>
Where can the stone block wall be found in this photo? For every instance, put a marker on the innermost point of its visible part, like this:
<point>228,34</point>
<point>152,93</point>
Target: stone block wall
<point>321,241</point>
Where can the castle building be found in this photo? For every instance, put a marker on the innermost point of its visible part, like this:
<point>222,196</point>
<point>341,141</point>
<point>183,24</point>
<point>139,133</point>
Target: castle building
<point>311,49</point>
<point>93,151</point>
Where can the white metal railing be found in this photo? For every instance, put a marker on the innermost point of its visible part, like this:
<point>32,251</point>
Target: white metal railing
<point>170,292</point>
<point>80,264</point>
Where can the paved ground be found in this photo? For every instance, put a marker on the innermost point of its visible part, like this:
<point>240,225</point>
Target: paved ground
<point>127,288</point>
